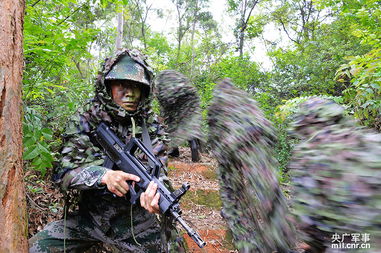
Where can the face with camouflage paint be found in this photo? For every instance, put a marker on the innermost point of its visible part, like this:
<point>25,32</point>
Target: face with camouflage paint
<point>126,93</point>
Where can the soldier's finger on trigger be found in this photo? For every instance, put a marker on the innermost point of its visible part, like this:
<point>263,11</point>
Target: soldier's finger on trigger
<point>129,177</point>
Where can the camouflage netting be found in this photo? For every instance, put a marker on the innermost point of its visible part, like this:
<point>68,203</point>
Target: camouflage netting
<point>242,140</point>
<point>336,172</point>
<point>180,106</point>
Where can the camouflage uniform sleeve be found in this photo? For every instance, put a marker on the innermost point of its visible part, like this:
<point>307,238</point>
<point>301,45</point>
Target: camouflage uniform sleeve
<point>81,163</point>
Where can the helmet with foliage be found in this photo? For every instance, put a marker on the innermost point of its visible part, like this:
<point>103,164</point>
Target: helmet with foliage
<point>125,65</point>
<point>314,115</point>
<point>129,65</point>
<point>128,69</point>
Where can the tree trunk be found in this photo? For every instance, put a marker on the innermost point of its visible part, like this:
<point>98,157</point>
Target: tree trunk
<point>119,36</point>
<point>13,219</point>
<point>241,38</point>
<point>192,40</point>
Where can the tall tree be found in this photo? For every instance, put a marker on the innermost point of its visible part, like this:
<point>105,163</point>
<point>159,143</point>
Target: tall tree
<point>144,9</point>
<point>244,9</point>
<point>299,19</point>
<point>204,19</point>
<point>119,31</point>
<point>13,221</point>
<point>184,20</point>
<point>136,22</point>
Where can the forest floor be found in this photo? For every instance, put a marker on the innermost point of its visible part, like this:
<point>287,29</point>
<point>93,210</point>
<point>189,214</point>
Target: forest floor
<point>201,205</point>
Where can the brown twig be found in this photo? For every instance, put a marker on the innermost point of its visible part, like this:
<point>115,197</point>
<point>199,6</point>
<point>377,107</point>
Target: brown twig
<point>34,204</point>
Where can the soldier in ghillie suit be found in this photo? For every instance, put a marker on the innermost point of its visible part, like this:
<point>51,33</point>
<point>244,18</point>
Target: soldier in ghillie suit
<point>180,108</point>
<point>122,101</point>
<point>336,171</point>
<point>242,140</point>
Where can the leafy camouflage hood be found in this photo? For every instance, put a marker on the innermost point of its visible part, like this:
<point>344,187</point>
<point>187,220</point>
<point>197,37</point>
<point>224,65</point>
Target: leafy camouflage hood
<point>103,92</point>
<point>314,115</point>
<point>180,106</point>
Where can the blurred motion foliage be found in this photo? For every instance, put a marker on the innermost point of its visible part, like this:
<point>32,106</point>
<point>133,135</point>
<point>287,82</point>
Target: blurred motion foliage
<point>332,49</point>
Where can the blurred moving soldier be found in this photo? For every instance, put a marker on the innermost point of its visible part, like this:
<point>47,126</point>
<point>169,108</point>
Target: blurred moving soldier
<point>180,108</point>
<point>242,140</point>
<point>336,171</point>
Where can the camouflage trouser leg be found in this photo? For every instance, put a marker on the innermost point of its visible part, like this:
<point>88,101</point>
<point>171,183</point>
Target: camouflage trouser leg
<point>80,234</point>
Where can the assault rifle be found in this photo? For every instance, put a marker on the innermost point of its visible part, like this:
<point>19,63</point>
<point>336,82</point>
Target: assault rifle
<point>123,156</point>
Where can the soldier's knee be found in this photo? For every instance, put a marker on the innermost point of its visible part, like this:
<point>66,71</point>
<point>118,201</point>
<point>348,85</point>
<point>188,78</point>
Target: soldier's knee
<point>42,243</point>
<point>34,245</point>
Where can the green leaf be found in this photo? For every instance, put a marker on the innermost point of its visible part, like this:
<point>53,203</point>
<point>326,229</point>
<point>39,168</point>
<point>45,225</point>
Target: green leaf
<point>375,86</point>
<point>47,133</point>
<point>47,157</point>
<point>32,154</point>
<point>42,148</point>
<point>28,142</point>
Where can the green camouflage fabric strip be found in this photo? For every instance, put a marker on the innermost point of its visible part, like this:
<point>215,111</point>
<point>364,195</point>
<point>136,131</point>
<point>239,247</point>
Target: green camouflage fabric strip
<point>336,171</point>
<point>242,140</point>
<point>105,217</point>
<point>180,106</point>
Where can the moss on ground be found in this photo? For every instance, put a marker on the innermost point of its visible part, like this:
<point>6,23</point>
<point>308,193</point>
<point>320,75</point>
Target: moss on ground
<point>209,174</point>
<point>202,197</point>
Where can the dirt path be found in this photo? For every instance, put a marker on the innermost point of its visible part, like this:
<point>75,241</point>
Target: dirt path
<point>201,205</point>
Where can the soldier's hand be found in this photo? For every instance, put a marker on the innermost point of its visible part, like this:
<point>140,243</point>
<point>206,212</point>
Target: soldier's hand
<point>149,199</point>
<point>116,181</point>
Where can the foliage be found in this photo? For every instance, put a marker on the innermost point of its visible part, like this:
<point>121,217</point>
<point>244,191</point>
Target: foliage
<point>37,149</point>
<point>244,72</point>
<point>364,95</point>
<point>56,43</point>
<point>299,19</point>
<point>363,71</point>
<point>310,68</point>
<point>244,20</point>
<point>59,70</point>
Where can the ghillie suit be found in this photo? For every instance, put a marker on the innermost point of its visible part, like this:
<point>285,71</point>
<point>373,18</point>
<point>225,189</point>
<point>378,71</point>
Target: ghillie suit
<point>242,140</point>
<point>336,171</point>
<point>180,106</point>
<point>102,217</point>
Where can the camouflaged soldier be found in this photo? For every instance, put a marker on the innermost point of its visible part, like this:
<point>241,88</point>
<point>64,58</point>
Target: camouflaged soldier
<point>122,101</point>
<point>242,140</point>
<point>180,105</point>
<point>336,171</point>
